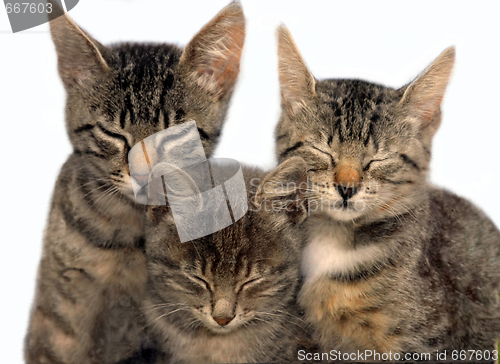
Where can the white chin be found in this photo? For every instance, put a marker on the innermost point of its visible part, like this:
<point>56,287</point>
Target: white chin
<point>221,330</point>
<point>342,213</point>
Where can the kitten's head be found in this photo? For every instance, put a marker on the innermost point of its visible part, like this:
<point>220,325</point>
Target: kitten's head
<point>367,146</point>
<point>118,95</point>
<point>242,277</point>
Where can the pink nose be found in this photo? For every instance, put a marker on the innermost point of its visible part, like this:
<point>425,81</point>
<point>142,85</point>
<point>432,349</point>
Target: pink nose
<point>223,321</point>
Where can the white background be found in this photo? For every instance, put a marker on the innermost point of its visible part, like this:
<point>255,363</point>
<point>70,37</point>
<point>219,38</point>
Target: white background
<point>388,42</point>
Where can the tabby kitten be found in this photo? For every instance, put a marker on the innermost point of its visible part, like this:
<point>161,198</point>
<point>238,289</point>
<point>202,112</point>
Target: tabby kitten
<point>93,270</point>
<point>392,263</point>
<point>229,297</point>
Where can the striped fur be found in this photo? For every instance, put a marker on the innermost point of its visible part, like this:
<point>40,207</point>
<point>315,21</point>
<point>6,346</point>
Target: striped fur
<point>247,273</point>
<point>93,269</point>
<point>391,263</point>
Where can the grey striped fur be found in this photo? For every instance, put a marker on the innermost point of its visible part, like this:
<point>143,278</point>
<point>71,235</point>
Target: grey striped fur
<point>93,269</point>
<point>247,273</point>
<point>392,263</point>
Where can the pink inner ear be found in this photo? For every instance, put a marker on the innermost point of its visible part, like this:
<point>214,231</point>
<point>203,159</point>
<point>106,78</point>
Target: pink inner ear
<point>425,94</point>
<point>223,70</point>
<point>429,108</point>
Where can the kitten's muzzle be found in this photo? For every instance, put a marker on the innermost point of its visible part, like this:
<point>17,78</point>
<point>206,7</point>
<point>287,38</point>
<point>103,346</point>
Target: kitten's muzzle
<point>346,192</point>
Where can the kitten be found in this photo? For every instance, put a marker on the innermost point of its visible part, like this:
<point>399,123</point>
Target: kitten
<point>93,270</point>
<point>229,297</point>
<point>392,263</point>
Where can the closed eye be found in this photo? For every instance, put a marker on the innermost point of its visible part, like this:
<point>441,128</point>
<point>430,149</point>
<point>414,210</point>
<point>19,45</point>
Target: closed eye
<point>202,282</point>
<point>317,161</point>
<point>328,154</point>
<point>250,283</point>
<point>372,161</point>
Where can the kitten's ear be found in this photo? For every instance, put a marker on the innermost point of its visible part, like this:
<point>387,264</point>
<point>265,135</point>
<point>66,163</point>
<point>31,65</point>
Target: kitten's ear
<point>422,98</point>
<point>296,81</point>
<point>212,58</point>
<point>79,55</point>
<point>285,188</point>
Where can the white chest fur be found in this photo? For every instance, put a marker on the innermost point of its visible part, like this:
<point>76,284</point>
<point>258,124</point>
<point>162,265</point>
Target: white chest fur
<point>330,251</point>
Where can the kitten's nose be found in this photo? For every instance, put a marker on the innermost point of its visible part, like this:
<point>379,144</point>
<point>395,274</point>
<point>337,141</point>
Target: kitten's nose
<point>223,321</point>
<point>347,175</point>
<point>346,193</point>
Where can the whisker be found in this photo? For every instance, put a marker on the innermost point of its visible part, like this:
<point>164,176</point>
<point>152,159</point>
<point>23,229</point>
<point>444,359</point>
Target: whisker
<point>107,179</point>
<point>162,316</point>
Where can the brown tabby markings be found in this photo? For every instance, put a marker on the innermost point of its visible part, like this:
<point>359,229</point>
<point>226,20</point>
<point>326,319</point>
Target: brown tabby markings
<point>120,272</point>
<point>349,311</point>
<point>93,272</point>
<point>229,297</point>
<point>416,269</point>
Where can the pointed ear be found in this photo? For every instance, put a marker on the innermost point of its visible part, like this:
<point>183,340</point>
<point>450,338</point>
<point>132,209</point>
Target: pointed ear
<point>422,98</point>
<point>296,81</point>
<point>212,58</point>
<point>285,188</point>
<point>79,56</point>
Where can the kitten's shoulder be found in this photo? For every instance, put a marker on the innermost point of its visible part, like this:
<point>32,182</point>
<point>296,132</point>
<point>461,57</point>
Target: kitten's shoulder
<point>459,222</point>
<point>454,207</point>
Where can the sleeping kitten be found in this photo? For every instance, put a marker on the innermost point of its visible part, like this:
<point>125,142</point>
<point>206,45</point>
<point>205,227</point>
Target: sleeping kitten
<point>229,297</point>
<point>93,270</point>
<point>392,263</point>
